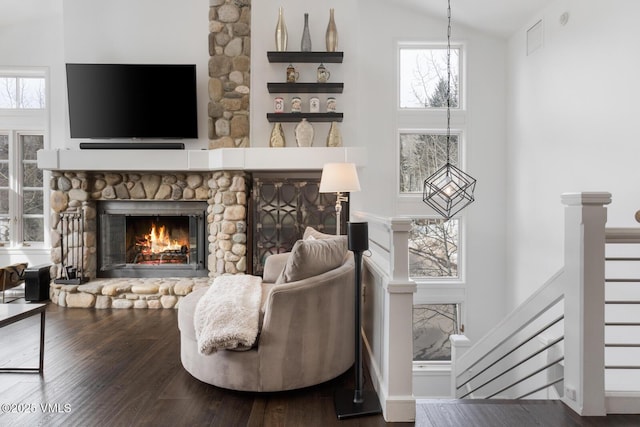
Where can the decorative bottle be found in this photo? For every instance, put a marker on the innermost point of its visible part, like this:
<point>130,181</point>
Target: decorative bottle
<point>332,33</point>
<point>304,133</point>
<point>277,136</point>
<point>281,33</point>
<point>334,139</point>
<point>305,45</point>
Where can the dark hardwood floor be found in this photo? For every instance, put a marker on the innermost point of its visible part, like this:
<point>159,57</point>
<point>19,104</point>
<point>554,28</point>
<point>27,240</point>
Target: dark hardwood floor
<point>510,413</point>
<point>122,368</point>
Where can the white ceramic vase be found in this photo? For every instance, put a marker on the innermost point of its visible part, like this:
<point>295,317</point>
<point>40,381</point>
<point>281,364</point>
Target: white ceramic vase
<point>304,133</point>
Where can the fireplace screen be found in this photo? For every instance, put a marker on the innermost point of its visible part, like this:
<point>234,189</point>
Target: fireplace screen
<point>151,239</point>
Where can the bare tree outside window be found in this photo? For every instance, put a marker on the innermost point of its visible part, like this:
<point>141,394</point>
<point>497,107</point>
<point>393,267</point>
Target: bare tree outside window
<point>22,200</point>
<point>8,93</point>
<point>22,92</point>
<point>423,77</point>
<point>4,189</point>
<point>432,326</point>
<point>433,248</point>
<point>421,155</point>
<point>32,93</point>
<point>32,193</point>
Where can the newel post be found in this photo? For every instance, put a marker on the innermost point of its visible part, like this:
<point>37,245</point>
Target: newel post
<point>584,252</point>
<point>459,346</point>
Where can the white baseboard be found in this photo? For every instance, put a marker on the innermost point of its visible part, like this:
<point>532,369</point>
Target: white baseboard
<point>395,409</point>
<point>622,402</point>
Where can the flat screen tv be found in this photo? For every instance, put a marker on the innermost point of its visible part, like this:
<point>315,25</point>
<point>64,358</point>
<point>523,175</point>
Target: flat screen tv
<point>132,101</point>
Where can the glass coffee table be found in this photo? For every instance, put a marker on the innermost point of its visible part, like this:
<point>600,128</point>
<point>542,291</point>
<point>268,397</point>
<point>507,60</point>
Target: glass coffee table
<point>11,313</point>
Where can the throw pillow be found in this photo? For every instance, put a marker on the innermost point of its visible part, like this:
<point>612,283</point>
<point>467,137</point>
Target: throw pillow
<point>312,233</point>
<point>313,257</point>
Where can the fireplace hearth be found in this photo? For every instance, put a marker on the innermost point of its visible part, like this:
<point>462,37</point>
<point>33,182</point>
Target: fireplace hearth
<point>152,239</point>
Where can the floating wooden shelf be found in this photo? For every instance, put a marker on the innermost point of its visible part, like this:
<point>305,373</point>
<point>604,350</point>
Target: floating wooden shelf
<point>329,57</point>
<point>305,87</point>
<point>312,117</point>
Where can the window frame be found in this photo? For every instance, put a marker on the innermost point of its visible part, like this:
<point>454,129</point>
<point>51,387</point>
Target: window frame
<point>439,294</point>
<point>20,74</point>
<point>437,290</point>
<point>17,122</point>
<point>460,46</point>
<point>414,196</point>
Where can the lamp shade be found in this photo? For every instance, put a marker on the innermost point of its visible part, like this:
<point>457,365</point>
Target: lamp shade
<point>339,178</point>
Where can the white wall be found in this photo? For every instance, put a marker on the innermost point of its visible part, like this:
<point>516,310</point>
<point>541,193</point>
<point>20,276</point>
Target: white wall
<point>572,122</point>
<point>381,26</point>
<point>141,32</point>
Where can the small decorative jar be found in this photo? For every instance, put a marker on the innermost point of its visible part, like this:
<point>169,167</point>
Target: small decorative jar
<point>314,105</point>
<point>278,105</point>
<point>292,74</point>
<point>331,105</point>
<point>296,104</point>
<point>323,74</point>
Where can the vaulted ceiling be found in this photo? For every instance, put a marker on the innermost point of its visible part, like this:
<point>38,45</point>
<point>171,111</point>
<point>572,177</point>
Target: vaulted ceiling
<point>498,17</point>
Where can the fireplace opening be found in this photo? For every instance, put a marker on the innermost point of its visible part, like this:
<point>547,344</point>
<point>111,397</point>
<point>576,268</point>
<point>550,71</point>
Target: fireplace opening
<point>157,240</point>
<point>152,239</point>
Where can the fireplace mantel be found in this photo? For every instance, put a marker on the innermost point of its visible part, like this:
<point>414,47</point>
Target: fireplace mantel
<point>248,159</point>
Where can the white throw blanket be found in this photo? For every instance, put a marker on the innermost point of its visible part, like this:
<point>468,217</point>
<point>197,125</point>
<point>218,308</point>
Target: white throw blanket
<point>227,314</point>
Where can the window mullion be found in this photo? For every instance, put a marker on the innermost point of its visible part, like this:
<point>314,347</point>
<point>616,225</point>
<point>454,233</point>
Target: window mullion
<point>16,189</point>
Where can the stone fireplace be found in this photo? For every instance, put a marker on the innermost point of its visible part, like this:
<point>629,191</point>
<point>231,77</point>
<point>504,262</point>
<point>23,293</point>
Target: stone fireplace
<point>204,214</point>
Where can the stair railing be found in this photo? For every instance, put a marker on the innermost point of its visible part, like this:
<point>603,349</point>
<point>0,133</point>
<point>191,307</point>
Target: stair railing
<point>567,314</point>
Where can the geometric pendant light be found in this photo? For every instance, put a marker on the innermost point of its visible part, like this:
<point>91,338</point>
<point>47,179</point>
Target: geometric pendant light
<point>449,189</point>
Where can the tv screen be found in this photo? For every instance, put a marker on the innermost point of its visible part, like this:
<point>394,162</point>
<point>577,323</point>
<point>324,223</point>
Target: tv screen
<point>132,101</point>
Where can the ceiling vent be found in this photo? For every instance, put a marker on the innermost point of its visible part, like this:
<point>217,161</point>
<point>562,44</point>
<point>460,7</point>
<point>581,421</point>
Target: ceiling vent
<point>535,37</point>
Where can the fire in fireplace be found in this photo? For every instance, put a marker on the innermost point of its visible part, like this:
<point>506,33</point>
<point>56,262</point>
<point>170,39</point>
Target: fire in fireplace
<point>151,239</point>
<point>162,240</point>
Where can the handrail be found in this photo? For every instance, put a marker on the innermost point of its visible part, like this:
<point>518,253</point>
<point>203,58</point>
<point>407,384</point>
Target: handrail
<point>622,235</point>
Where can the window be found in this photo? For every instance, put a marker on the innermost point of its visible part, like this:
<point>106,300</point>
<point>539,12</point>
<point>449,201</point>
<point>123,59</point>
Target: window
<point>22,92</point>
<point>423,77</point>
<point>421,155</point>
<point>434,244</point>
<point>22,124</point>
<point>21,189</point>
<point>433,248</point>
<point>432,326</point>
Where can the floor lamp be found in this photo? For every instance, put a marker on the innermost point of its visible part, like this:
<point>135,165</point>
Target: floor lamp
<point>358,402</point>
<point>339,178</point>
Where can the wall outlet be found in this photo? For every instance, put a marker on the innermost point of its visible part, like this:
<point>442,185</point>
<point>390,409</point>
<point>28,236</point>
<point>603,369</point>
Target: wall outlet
<point>570,392</point>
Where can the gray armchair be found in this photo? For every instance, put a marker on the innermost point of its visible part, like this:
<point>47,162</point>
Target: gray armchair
<point>307,327</point>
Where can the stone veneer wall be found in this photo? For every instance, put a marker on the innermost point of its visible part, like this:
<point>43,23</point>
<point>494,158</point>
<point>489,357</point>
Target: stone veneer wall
<point>224,191</point>
<point>229,73</point>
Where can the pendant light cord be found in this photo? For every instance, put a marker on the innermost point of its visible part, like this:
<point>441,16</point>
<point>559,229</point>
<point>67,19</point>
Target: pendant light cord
<point>448,79</point>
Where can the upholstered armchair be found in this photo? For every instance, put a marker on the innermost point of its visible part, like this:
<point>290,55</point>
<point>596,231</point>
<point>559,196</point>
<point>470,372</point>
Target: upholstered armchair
<point>307,325</point>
